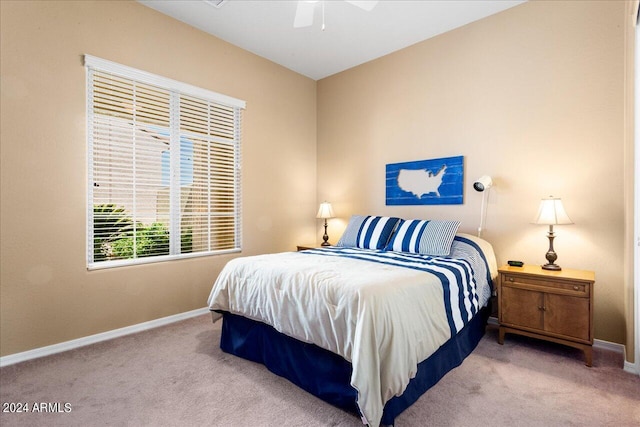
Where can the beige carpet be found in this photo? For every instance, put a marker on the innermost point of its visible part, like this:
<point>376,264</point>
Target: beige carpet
<point>177,376</point>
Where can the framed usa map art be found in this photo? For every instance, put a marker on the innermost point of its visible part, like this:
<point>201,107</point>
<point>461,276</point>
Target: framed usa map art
<point>426,182</point>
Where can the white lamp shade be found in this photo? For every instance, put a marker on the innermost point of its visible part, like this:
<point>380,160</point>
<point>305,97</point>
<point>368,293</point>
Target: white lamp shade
<point>551,212</point>
<point>325,211</point>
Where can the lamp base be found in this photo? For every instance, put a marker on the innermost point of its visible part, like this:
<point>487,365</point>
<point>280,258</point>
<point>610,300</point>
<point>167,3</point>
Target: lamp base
<point>325,238</point>
<point>551,255</point>
<point>554,267</point>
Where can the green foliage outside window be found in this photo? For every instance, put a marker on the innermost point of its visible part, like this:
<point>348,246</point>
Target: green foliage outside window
<point>114,234</point>
<point>150,240</point>
<point>110,222</point>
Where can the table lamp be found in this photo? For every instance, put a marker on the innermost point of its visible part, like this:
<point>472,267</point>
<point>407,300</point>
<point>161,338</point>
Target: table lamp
<point>551,212</point>
<point>325,212</point>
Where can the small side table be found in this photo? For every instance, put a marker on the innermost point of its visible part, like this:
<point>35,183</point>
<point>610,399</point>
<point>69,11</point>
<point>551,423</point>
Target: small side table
<point>305,247</point>
<point>555,306</point>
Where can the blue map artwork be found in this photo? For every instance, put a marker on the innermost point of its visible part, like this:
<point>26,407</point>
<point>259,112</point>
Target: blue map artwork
<point>426,182</point>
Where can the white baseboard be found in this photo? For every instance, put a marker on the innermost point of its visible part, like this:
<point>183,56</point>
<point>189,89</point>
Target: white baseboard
<point>116,333</point>
<point>632,368</point>
<point>92,339</point>
<point>608,345</point>
<point>605,345</point>
<point>618,348</point>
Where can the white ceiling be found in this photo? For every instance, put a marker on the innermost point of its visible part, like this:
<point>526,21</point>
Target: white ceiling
<point>352,36</point>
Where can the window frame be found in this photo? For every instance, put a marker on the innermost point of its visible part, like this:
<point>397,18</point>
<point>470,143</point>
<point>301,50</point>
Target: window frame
<point>176,90</point>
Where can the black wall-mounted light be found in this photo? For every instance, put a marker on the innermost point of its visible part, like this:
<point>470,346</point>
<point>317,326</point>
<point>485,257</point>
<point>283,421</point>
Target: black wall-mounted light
<point>481,185</point>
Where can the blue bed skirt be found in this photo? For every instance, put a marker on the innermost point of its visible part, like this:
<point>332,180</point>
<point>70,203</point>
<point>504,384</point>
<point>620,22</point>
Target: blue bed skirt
<point>326,374</point>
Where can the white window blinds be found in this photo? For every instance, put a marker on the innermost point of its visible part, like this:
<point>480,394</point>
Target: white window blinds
<point>163,167</point>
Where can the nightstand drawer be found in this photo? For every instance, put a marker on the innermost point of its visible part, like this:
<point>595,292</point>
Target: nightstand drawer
<point>576,289</point>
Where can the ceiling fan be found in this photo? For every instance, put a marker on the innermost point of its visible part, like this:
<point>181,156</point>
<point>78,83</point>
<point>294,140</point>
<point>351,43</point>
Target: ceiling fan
<point>306,9</point>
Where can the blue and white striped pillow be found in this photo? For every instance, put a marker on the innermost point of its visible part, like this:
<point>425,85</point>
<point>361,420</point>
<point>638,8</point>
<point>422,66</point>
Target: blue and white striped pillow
<point>368,232</point>
<point>424,237</point>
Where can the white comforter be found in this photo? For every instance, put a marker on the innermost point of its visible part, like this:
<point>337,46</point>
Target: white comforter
<point>382,318</point>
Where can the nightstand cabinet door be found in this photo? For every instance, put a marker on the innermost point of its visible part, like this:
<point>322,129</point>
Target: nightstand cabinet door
<point>568,316</point>
<point>521,307</point>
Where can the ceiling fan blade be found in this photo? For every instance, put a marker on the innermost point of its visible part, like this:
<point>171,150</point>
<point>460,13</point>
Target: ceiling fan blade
<point>367,5</point>
<point>304,14</point>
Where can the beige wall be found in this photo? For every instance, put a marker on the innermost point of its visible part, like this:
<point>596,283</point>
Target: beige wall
<point>534,97</point>
<point>47,295</point>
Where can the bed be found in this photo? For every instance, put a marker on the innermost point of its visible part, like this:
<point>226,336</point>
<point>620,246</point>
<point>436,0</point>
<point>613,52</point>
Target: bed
<point>368,325</point>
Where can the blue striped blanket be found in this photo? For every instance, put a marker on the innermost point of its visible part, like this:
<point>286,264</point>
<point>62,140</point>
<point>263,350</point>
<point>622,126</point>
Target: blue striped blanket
<point>465,276</point>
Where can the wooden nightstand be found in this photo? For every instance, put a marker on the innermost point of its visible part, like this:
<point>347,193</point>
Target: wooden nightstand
<point>550,305</point>
<point>304,247</point>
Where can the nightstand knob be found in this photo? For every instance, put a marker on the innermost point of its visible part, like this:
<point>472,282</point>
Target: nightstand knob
<point>511,279</point>
<point>576,288</point>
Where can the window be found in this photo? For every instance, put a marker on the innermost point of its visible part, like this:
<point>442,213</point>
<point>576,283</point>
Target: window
<point>163,168</point>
